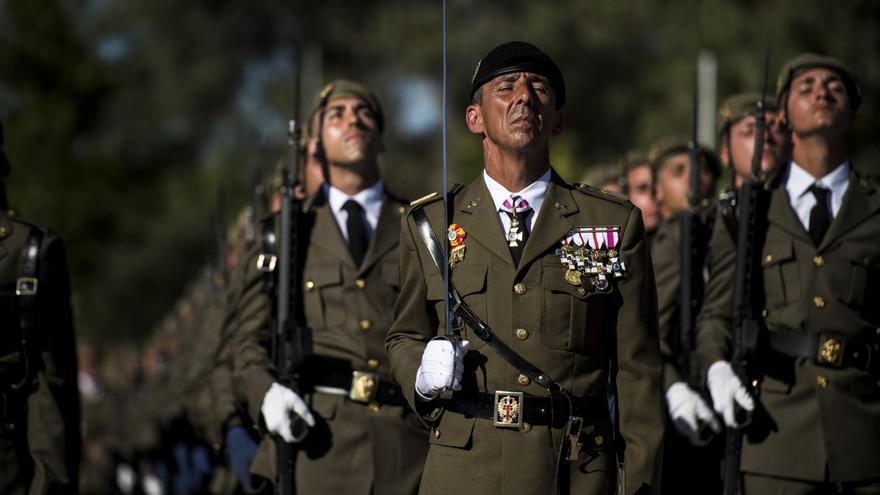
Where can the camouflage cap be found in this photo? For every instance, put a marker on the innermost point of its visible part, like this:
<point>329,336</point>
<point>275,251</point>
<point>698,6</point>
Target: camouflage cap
<point>343,88</point>
<point>4,162</point>
<point>667,146</point>
<point>740,105</point>
<point>806,61</point>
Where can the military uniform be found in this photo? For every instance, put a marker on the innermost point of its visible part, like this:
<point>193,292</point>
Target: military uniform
<point>588,341</point>
<point>357,446</point>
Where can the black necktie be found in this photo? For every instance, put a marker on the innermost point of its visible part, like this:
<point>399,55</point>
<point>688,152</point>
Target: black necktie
<point>356,225</point>
<point>820,215</point>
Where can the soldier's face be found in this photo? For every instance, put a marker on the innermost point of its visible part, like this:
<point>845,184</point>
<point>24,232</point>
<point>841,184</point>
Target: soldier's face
<point>640,184</point>
<point>350,133</point>
<point>818,103</point>
<point>517,112</point>
<point>742,144</point>
<point>672,184</point>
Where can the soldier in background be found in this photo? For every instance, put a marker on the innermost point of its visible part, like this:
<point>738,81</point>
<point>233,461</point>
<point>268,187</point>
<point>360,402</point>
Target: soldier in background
<point>40,414</point>
<point>639,189</point>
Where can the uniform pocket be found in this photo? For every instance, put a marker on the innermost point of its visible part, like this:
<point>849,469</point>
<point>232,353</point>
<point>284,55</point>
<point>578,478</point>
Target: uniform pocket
<point>857,274</point>
<point>452,430</point>
<point>322,290</point>
<point>782,280</point>
<point>567,312</point>
<point>390,274</point>
<point>471,286</point>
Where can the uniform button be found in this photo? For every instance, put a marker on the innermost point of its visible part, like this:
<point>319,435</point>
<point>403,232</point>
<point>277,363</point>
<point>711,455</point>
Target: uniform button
<point>520,288</point>
<point>373,406</point>
<point>819,302</point>
<point>818,260</point>
<point>599,440</point>
<point>523,379</point>
<point>768,258</point>
<point>310,285</point>
<point>581,291</point>
<point>522,333</point>
<point>525,428</point>
<point>2,230</point>
<point>401,210</point>
<point>365,325</point>
<point>822,381</point>
<point>360,283</point>
<point>373,363</point>
<point>764,312</point>
<point>436,433</point>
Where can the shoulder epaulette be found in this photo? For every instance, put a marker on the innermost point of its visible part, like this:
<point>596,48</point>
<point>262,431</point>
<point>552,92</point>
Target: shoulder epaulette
<point>603,194</point>
<point>434,197</point>
<point>16,216</point>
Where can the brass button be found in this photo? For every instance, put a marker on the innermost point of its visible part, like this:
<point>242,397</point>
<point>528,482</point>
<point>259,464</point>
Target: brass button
<point>822,381</point>
<point>373,363</point>
<point>768,258</point>
<point>764,312</point>
<point>401,210</point>
<point>525,428</point>
<point>373,406</point>
<point>436,433</point>
<point>2,230</point>
<point>365,324</point>
<point>523,379</point>
<point>819,302</point>
<point>581,291</point>
<point>522,333</point>
<point>310,285</point>
<point>599,440</point>
<point>360,283</point>
<point>519,288</point>
<point>818,260</point>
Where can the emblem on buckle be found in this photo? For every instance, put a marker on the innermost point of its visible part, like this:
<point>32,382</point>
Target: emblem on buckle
<point>266,263</point>
<point>26,286</point>
<point>830,351</point>
<point>508,409</point>
<point>364,386</point>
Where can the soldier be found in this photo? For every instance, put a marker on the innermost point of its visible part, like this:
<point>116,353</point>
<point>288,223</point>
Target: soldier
<point>562,276</point>
<point>818,424</point>
<point>39,399</point>
<point>363,438</point>
<point>639,189</point>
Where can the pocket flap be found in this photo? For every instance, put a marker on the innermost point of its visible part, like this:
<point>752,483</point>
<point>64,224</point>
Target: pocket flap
<point>323,276</point>
<point>860,254</point>
<point>469,280</point>
<point>777,252</point>
<point>554,280</point>
<point>390,274</point>
<point>452,430</point>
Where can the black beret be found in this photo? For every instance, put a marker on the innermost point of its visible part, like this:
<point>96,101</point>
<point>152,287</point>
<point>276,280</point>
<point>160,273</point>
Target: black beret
<point>4,163</point>
<point>518,56</point>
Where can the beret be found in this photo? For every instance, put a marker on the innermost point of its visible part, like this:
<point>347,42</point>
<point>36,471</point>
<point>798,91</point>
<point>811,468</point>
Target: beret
<point>518,56</point>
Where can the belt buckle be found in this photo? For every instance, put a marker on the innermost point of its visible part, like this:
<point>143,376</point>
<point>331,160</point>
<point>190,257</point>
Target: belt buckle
<point>509,408</point>
<point>831,351</point>
<point>364,386</point>
<point>26,286</point>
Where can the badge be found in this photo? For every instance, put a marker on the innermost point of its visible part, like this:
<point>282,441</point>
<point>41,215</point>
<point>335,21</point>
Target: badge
<point>591,257</point>
<point>455,235</point>
<point>508,409</point>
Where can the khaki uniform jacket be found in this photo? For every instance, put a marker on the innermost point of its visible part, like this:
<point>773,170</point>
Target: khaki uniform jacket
<point>354,448</point>
<point>573,336</point>
<point>666,256</point>
<point>818,419</point>
<point>40,442</point>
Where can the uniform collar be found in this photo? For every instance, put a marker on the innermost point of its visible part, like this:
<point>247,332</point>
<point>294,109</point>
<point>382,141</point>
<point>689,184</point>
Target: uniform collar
<point>533,193</point>
<point>370,199</point>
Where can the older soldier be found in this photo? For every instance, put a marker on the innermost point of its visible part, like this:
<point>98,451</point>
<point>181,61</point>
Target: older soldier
<point>818,424</point>
<point>562,276</point>
<point>39,400</point>
<point>363,437</point>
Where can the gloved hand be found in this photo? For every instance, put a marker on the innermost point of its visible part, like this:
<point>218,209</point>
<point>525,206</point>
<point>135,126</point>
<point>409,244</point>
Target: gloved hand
<point>240,452</point>
<point>151,485</point>
<point>278,403</point>
<point>125,478</point>
<point>441,368</point>
<point>689,412</point>
<point>726,390</point>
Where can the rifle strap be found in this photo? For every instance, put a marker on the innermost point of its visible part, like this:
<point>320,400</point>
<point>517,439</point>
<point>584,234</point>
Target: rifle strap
<point>26,288</point>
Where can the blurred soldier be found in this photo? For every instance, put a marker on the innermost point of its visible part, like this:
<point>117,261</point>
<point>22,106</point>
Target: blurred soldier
<point>605,176</point>
<point>363,437</point>
<point>816,423</point>
<point>39,399</point>
<point>562,276</point>
<point>669,163</point>
<point>639,189</point>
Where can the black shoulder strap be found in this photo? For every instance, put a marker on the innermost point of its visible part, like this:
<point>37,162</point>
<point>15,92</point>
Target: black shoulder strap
<point>26,288</point>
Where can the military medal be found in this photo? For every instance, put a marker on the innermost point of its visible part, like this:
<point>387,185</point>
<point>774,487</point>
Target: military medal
<point>455,234</point>
<point>511,205</point>
<point>591,257</point>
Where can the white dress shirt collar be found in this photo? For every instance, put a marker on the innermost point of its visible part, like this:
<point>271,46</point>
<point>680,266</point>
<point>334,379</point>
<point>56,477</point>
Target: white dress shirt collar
<point>370,200</point>
<point>533,193</point>
<point>798,182</point>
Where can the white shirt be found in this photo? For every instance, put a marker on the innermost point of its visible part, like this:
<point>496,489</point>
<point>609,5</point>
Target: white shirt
<point>798,183</point>
<point>533,193</point>
<point>370,200</point>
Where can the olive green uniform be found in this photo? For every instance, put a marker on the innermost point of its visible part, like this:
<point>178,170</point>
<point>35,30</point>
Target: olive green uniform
<point>354,447</point>
<point>575,336</point>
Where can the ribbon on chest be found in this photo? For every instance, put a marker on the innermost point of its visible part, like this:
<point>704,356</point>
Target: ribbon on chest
<point>591,256</point>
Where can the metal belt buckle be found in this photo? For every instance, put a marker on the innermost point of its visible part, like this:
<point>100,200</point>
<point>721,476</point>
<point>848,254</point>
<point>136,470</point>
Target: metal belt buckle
<point>573,437</point>
<point>26,286</point>
<point>266,262</point>
<point>364,386</point>
<point>509,407</point>
<point>830,351</point>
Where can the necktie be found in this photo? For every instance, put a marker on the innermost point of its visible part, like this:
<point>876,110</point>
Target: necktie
<point>820,215</point>
<point>517,209</point>
<point>356,225</point>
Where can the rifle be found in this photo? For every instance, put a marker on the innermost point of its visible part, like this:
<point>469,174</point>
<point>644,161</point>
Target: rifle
<point>692,254</point>
<point>292,337</point>
<point>746,325</point>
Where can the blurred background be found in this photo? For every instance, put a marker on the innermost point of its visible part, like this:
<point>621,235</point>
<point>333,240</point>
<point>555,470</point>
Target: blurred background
<point>127,120</point>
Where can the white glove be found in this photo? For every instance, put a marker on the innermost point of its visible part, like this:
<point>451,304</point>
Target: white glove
<point>726,390</point>
<point>688,411</point>
<point>151,485</point>
<point>441,368</point>
<point>278,403</point>
<point>125,478</point>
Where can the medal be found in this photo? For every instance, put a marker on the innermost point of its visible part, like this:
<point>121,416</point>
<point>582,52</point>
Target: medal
<point>455,235</point>
<point>591,258</point>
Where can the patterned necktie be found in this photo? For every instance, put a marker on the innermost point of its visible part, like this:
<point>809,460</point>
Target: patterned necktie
<point>356,225</point>
<point>517,209</point>
<point>820,215</point>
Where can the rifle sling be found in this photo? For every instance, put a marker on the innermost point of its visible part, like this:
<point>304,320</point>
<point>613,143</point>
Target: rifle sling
<point>27,287</point>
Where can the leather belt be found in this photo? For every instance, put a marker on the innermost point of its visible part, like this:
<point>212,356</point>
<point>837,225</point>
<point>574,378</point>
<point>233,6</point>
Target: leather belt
<point>512,409</point>
<point>338,377</point>
<point>830,350</point>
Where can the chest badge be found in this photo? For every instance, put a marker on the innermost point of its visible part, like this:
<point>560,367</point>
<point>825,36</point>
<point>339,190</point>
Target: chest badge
<point>591,257</point>
<point>455,235</point>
